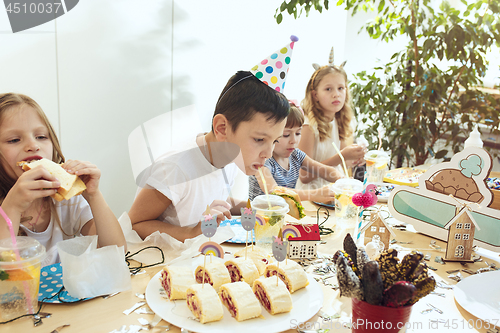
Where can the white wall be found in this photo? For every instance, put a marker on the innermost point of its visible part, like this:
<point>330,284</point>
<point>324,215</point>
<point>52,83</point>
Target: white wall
<point>107,66</point>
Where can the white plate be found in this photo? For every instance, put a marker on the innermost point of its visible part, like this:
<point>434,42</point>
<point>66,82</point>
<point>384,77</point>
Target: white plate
<point>306,303</point>
<point>479,294</point>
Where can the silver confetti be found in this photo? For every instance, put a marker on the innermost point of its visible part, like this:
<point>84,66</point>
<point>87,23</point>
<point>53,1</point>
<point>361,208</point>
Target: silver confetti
<point>426,311</point>
<point>457,277</point>
<point>438,294</point>
<point>443,285</point>
<point>143,311</point>
<point>439,260</point>
<point>136,306</point>
<point>141,296</point>
<point>434,308</point>
<point>143,321</point>
<point>428,257</point>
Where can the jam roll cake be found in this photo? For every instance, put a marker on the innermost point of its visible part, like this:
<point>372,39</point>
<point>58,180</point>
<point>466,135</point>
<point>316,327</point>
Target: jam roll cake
<point>204,303</point>
<point>273,295</point>
<point>291,273</point>
<point>216,274</point>
<point>259,256</point>
<point>176,281</point>
<point>240,301</point>
<point>242,270</point>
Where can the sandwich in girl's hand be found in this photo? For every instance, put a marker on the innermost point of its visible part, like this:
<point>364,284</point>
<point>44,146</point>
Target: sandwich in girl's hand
<point>71,185</point>
<point>292,199</point>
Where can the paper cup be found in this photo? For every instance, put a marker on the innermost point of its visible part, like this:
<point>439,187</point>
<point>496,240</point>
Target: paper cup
<point>377,162</point>
<point>270,221</point>
<point>367,318</point>
<point>19,280</point>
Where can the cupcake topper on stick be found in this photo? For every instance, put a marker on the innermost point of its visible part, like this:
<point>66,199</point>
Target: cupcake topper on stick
<point>247,221</point>
<point>209,225</point>
<point>212,249</point>
<point>279,250</point>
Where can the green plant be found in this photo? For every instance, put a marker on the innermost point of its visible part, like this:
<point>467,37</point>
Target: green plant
<point>425,96</point>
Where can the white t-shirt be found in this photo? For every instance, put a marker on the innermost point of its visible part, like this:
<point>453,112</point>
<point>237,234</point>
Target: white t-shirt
<point>73,214</point>
<point>186,177</point>
<point>322,151</point>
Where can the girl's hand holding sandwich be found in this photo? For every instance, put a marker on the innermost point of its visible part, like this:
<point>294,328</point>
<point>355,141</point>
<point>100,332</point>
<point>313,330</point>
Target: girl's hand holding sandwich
<point>88,173</point>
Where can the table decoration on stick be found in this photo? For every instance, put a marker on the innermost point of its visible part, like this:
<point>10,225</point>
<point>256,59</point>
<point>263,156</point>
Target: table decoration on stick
<point>248,217</point>
<point>280,248</point>
<point>364,199</point>
<point>212,249</point>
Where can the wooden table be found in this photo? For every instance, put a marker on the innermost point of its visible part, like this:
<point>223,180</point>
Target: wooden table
<point>105,315</point>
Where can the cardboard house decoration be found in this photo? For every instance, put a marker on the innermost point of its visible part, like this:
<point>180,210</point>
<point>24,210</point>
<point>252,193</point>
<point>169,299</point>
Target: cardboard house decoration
<point>305,245</point>
<point>377,226</point>
<point>461,230</point>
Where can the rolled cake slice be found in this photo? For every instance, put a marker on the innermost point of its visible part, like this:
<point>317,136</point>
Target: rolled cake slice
<point>240,300</point>
<point>273,295</point>
<point>176,281</point>
<point>291,273</point>
<point>242,270</point>
<point>216,274</point>
<point>259,256</point>
<point>204,303</point>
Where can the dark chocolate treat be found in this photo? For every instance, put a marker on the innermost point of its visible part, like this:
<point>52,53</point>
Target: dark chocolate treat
<point>373,287</point>
<point>399,294</point>
<point>351,248</point>
<point>424,287</point>
<point>388,265</point>
<point>408,265</point>
<point>349,283</point>
<point>420,273</point>
<point>362,259</point>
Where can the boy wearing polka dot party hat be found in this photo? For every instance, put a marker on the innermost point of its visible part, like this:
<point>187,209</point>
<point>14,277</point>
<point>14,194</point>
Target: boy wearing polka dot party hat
<point>249,118</point>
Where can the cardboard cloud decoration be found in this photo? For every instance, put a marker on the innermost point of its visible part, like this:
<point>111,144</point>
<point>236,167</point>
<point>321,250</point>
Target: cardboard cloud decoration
<point>443,190</point>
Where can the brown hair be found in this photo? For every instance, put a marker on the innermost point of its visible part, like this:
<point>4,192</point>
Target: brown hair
<point>315,115</point>
<point>295,117</point>
<point>14,102</point>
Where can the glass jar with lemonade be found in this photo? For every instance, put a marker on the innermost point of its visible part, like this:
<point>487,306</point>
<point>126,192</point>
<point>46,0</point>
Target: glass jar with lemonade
<point>377,162</point>
<point>271,211</point>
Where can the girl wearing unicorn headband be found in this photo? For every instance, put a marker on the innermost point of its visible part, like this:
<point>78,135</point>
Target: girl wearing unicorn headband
<point>328,120</point>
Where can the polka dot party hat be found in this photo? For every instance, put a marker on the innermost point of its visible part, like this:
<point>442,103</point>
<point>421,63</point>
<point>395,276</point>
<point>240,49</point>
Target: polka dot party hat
<point>274,69</point>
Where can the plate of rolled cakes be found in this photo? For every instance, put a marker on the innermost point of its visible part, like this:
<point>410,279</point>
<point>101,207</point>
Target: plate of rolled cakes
<point>247,292</point>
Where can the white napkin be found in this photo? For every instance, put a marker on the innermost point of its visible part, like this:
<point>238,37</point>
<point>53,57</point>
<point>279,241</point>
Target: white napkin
<point>89,271</point>
<point>173,249</point>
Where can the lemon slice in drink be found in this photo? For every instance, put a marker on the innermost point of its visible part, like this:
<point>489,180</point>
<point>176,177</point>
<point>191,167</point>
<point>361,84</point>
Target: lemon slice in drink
<point>380,165</point>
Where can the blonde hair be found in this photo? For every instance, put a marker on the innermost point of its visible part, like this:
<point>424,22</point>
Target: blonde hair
<point>14,102</point>
<point>314,113</point>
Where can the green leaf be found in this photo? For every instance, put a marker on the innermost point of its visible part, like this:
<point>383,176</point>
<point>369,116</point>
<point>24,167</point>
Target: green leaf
<point>279,18</point>
<point>4,275</point>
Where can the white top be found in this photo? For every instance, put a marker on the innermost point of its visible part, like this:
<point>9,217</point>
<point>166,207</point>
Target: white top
<point>322,151</point>
<point>186,177</point>
<point>73,215</point>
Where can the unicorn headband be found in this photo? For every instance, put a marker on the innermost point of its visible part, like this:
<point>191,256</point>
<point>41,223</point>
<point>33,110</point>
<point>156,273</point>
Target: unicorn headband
<point>330,64</point>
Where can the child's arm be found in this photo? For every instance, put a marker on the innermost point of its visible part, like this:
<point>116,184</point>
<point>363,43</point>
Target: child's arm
<point>323,194</point>
<point>104,224</point>
<point>31,185</point>
<point>322,170</point>
<point>150,203</point>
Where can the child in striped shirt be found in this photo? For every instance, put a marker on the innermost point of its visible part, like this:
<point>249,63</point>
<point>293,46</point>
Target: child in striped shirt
<point>282,169</point>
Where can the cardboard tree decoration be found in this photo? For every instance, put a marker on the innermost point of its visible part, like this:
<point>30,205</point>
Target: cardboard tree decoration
<point>377,226</point>
<point>430,207</point>
<point>460,236</point>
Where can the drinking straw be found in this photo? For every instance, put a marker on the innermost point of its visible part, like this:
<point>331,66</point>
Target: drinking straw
<point>341,157</point>
<point>265,187</point>
<point>380,134</point>
<point>18,258</point>
<point>362,209</point>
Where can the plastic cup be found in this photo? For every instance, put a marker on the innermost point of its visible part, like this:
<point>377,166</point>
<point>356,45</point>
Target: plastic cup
<point>344,189</point>
<point>19,280</point>
<point>377,162</point>
<point>272,219</point>
<point>368,318</point>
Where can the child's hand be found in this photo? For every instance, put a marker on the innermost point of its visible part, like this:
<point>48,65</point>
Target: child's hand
<point>221,209</point>
<point>32,184</point>
<point>354,153</point>
<point>323,194</point>
<point>88,173</point>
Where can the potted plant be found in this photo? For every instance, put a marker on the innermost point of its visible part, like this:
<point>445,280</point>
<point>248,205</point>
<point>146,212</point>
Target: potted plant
<point>425,98</point>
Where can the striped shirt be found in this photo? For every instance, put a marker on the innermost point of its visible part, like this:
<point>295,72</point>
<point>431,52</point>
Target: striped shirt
<point>282,177</point>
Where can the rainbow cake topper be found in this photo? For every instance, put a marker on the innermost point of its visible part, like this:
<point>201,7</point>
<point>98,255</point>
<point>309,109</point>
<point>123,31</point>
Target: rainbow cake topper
<point>290,231</point>
<point>212,248</point>
<point>259,219</point>
<point>279,247</point>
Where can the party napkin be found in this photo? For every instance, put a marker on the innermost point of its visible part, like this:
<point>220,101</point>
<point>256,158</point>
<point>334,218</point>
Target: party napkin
<point>89,271</point>
<point>173,250</point>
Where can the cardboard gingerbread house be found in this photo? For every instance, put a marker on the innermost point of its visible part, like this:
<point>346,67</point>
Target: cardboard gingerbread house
<point>461,230</point>
<point>377,226</point>
<point>302,240</point>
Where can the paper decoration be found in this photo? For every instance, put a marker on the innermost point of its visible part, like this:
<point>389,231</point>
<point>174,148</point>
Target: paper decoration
<point>461,231</point>
<point>260,220</point>
<point>377,227</point>
<point>429,208</point>
<point>279,247</point>
<point>248,218</point>
<point>305,244</point>
<point>209,225</point>
<point>274,69</point>
<point>212,248</point>
<point>290,231</point>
